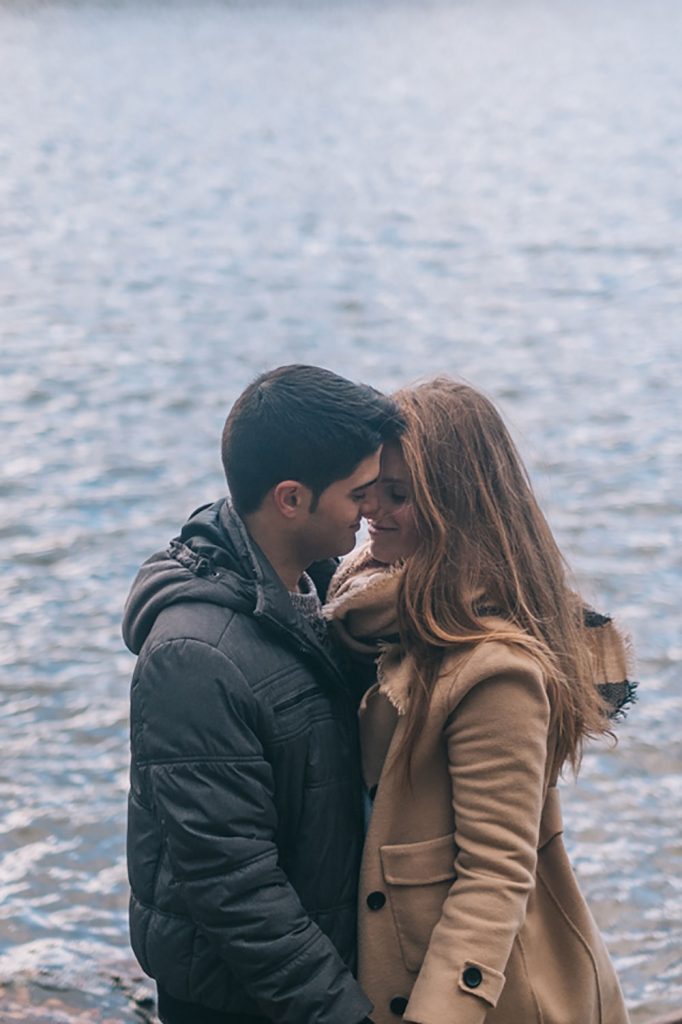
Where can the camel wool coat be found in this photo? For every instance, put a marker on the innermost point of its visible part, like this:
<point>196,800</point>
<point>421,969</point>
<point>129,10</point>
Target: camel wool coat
<point>469,911</point>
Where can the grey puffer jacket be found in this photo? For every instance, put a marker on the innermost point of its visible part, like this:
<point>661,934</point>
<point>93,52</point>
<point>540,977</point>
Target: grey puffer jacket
<point>245,820</point>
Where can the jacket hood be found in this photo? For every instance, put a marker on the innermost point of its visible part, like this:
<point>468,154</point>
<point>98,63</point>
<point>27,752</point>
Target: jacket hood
<point>215,561</point>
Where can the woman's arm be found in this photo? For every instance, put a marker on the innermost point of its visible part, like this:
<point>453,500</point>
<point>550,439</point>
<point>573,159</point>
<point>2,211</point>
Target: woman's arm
<point>497,743</point>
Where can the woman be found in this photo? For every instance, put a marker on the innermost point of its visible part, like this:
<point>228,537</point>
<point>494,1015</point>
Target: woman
<point>469,910</point>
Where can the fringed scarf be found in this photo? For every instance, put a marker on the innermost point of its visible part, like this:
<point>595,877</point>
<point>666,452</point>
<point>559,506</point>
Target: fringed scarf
<point>362,609</point>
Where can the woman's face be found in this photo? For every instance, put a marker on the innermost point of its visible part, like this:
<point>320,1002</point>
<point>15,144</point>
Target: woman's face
<point>392,527</point>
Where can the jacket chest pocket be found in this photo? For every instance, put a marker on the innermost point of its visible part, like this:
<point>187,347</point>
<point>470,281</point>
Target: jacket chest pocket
<point>418,877</point>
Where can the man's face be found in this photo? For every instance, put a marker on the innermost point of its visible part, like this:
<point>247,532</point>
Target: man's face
<point>331,528</point>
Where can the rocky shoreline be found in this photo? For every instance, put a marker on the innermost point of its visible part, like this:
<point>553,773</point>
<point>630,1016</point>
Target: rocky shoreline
<point>30,1005</point>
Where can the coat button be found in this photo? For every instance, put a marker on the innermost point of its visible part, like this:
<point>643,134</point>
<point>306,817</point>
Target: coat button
<point>398,1005</point>
<point>472,977</point>
<point>376,900</point>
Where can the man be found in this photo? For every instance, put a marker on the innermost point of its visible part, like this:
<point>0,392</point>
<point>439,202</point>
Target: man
<point>245,821</point>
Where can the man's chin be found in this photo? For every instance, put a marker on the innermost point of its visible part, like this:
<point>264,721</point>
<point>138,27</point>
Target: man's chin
<point>343,544</point>
<point>347,544</point>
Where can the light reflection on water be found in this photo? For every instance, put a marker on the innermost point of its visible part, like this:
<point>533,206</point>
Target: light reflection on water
<point>189,193</point>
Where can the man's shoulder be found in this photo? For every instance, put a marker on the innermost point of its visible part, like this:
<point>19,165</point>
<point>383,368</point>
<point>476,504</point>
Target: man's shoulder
<point>211,628</point>
<point>192,620</point>
<point>223,633</point>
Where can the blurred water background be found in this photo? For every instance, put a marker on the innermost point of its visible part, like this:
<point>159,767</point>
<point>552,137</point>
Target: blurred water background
<point>193,191</point>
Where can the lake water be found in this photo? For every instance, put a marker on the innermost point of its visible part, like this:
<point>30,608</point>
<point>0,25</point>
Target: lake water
<point>192,192</point>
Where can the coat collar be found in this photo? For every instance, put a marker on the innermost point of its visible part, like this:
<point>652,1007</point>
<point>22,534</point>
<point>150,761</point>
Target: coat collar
<point>273,604</point>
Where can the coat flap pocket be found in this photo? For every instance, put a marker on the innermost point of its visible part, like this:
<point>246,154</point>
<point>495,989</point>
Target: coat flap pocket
<point>551,822</point>
<point>419,863</point>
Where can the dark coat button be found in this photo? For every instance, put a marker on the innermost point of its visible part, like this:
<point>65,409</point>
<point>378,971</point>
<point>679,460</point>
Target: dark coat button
<point>376,900</point>
<point>472,977</point>
<point>398,1005</point>
<point>372,792</point>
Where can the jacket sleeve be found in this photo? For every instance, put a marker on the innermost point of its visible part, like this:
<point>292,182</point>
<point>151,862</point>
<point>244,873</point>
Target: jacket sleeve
<point>211,787</point>
<point>496,745</point>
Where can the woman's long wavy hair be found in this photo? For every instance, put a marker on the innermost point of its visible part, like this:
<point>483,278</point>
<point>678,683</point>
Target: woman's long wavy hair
<point>485,542</point>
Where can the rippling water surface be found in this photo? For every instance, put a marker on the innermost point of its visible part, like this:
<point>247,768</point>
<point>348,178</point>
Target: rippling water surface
<point>190,192</point>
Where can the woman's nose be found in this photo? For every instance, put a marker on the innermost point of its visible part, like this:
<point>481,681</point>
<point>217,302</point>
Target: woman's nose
<point>371,505</point>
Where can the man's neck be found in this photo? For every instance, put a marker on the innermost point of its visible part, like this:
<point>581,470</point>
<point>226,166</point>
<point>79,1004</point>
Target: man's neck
<point>286,563</point>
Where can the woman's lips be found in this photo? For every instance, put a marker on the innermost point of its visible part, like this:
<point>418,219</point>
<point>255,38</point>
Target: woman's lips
<point>373,528</point>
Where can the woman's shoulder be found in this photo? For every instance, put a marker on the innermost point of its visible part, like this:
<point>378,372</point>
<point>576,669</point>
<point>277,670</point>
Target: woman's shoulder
<point>505,656</point>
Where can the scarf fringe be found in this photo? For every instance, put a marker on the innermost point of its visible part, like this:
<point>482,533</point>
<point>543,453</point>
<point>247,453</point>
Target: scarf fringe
<point>361,606</point>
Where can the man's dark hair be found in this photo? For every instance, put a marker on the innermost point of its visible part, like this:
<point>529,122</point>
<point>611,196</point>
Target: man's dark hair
<point>301,423</point>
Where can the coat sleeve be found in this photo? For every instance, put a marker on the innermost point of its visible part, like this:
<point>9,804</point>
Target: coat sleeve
<point>496,744</point>
<point>211,786</point>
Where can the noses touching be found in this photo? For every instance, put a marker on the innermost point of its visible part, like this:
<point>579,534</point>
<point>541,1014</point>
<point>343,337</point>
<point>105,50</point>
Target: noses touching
<point>372,508</point>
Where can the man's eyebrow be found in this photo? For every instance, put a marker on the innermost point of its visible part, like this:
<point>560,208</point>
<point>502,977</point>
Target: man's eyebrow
<point>363,487</point>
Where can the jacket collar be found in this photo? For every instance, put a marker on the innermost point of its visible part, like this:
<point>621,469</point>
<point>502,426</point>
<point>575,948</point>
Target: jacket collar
<point>273,604</point>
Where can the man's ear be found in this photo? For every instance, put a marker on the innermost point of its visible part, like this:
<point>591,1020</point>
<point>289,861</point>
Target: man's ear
<point>290,498</point>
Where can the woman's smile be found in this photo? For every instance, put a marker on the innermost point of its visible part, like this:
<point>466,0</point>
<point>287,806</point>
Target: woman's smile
<point>391,526</point>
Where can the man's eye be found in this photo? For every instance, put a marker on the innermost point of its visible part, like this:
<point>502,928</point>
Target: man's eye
<point>360,497</point>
